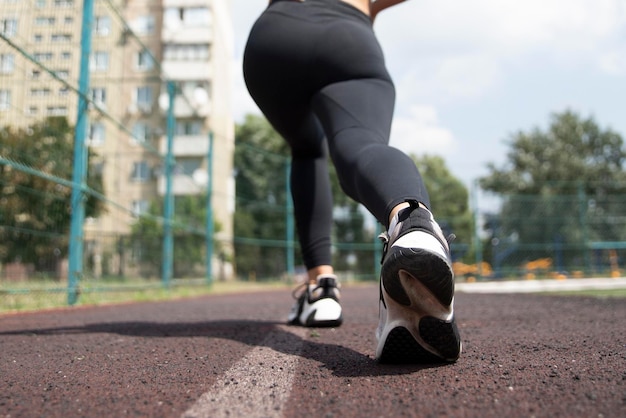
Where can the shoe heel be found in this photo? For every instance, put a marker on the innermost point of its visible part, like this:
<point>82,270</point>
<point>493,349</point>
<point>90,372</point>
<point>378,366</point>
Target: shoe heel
<point>415,277</point>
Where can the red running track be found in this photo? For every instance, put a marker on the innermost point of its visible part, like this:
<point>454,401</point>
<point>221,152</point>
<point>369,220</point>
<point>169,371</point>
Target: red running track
<point>231,355</point>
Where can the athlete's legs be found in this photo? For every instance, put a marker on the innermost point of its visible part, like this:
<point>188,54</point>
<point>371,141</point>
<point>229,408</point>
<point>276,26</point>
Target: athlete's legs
<point>356,116</point>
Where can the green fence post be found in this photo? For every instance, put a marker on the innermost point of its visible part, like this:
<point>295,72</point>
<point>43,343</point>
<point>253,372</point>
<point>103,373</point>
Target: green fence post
<point>583,205</point>
<point>168,204</point>
<point>478,247</point>
<point>289,221</point>
<point>79,175</point>
<point>209,214</point>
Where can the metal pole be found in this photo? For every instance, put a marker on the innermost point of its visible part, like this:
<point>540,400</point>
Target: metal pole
<point>583,206</point>
<point>79,174</point>
<point>209,214</point>
<point>290,230</point>
<point>168,204</point>
<point>476,218</point>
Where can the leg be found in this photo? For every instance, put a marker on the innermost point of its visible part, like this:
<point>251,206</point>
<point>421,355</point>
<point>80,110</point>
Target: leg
<point>356,116</point>
<point>417,321</point>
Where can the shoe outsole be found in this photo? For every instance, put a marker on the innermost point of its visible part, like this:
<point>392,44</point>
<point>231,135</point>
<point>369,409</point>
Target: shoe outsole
<point>421,284</point>
<point>402,348</point>
<point>430,269</point>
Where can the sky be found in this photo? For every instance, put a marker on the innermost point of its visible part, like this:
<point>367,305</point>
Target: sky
<point>469,74</point>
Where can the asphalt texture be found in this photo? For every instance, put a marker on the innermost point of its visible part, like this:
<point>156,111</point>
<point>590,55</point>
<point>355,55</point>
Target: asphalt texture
<point>525,355</point>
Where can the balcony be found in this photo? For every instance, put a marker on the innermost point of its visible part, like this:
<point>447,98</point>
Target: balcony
<point>186,146</point>
<point>184,184</point>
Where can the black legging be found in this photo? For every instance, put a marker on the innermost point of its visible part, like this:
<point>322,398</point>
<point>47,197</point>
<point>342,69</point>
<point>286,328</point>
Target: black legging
<point>316,71</point>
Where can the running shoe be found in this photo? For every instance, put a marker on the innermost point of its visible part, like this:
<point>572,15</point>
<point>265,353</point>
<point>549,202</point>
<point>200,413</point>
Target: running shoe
<point>318,304</point>
<point>416,292</point>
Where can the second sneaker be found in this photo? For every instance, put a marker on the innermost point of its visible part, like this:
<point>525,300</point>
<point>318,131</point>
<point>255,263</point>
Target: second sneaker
<point>318,304</point>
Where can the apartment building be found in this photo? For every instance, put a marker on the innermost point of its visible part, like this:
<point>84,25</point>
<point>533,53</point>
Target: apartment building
<point>137,46</point>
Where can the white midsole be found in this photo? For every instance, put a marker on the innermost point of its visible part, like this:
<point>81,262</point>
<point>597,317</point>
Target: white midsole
<point>325,310</point>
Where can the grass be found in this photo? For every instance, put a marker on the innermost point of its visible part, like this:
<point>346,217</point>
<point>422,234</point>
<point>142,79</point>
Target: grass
<point>50,295</point>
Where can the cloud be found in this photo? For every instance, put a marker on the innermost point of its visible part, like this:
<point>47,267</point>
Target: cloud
<point>419,132</point>
<point>467,76</point>
<point>463,50</point>
<point>613,62</point>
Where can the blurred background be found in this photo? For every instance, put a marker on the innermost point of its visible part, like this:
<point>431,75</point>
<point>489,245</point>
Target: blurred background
<point>131,156</point>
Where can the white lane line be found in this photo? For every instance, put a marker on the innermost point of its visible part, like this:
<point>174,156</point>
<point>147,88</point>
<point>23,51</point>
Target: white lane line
<point>259,384</point>
<point>534,286</point>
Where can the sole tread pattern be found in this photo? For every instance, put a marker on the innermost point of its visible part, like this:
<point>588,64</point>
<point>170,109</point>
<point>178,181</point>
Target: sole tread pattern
<point>401,348</point>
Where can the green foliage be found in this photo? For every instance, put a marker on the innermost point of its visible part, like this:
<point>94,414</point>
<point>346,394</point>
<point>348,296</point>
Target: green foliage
<point>350,236</point>
<point>449,197</point>
<point>449,200</point>
<point>557,187</point>
<point>571,151</point>
<point>261,156</point>
<point>35,214</point>
<point>189,237</point>
<point>261,160</point>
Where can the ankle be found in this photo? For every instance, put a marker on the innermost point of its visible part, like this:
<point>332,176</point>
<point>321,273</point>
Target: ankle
<point>315,272</point>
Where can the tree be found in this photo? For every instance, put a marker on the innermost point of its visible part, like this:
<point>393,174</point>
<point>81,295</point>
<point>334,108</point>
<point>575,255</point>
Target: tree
<point>449,200</point>
<point>261,161</point>
<point>35,213</point>
<point>557,186</point>
<point>352,240</point>
<point>189,225</point>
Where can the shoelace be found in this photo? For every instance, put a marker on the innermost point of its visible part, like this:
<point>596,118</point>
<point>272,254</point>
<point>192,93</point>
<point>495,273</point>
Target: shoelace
<point>304,287</point>
<point>297,289</point>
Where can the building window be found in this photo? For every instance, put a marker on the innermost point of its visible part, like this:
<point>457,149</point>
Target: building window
<point>61,38</point>
<point>56,111</point>
<point>143,25</point>
<point>99,96</point>
<point>66,55</point>
<point>141,132</point>
<point>64,91</point>
<point>188,127</point>
<point>144,98</point>
<point>32,110</point>
<point>197,52</point>
<point>5,100</point>
<point>99,61</point>
<point>38,38</point>
<point>63,3</point>
<point>187,166</point>
<point>175,17</point>
<point>43,56</point>
<point>141,171</point>
<point>144,60</point>
<point>102,25</point>
<point>7,63</point>
<point>96,134</point>
<point>68,20</point>
<point>40,92</point>
<point>8,27</point>
<point>140,207</point>
<point>62,74</point>
<point>44,21</point>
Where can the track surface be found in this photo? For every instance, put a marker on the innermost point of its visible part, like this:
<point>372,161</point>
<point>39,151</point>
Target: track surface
<point>231,355</point>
